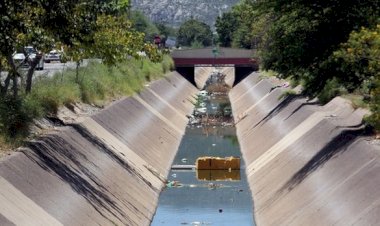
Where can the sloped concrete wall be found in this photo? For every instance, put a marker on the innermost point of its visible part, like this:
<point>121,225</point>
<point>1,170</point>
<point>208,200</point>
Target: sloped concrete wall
<point>107,170</point>
<point>306,164</point>
<point>201,74</point>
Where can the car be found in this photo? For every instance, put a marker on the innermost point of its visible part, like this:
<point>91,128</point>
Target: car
<point>53,55</point>
<point>26,57</point>
<point>32,53</point>
<point>19,59</point>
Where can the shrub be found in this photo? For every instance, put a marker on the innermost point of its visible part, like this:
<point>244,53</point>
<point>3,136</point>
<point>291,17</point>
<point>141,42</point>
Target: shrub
<point>14,117</point>
<point>330,90</point>
<point>374,119</point>
<point>96,84</point>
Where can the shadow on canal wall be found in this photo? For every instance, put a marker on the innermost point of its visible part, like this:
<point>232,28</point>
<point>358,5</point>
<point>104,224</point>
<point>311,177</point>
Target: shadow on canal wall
<point>306,164</point>
<point>107,170</point>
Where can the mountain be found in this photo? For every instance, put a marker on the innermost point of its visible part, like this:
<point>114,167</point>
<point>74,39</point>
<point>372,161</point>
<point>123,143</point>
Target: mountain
<point>175,12</point>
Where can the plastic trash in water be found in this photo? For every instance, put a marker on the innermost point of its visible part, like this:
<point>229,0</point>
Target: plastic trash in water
<point>173,184</point>
<point>201,110</point>
<point>203,93</point>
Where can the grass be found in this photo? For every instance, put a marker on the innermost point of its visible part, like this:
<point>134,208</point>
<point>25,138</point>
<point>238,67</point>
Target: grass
<point>287,93</point>
<point>97,84</point>
<point>357,100</point>
<point>267,74</point>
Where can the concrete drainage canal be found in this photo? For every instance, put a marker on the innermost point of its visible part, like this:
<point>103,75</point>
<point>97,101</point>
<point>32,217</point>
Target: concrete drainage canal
<point>207,184</point>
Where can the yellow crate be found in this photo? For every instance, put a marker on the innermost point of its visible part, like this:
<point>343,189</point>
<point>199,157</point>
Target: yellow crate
<point>218,175</point>
<point>217,163</point>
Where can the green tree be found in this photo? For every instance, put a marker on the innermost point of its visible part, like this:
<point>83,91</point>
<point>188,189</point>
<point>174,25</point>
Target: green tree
<point>358,59</point>
<point>40,23</point>
<point>303,36</point>
<point>76,25</point>
<point>246,15</point>
<point>194,31</point>
<point>358,62</point>
<point>226,25</point>
<point>374,119</point>
<point>166,31</point>
<point>115,41</point>
<point>85,28</point>
<point>142,24</point>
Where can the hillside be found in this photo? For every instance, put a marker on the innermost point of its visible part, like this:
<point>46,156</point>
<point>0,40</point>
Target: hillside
<point>174,12</point>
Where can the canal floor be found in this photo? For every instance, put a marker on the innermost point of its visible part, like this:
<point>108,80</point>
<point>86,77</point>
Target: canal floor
<point>206,197</point>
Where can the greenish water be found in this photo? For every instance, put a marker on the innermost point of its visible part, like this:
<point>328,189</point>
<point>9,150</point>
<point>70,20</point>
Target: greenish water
<point>196,200</point>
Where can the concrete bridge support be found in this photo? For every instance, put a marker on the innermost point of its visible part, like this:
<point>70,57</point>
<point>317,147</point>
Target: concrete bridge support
<point>201,74</point>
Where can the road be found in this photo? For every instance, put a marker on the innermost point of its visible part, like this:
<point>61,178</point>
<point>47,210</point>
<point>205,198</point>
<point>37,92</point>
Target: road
<point>52,68</point>
<point>55,67</point>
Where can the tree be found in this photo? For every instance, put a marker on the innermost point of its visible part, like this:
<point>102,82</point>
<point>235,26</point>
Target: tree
<point>374,119</point>
<point>303,36</point>
<point>77,25</point>
<point>193,31</point>
<point>358,59</point>
<point>226,25</point>
<point>115,41</point>
<point>142,24</point>
<point>358,62</point>
<point>166,31</point>
<point>242,26</point>
<point>302,40</point>
<point>23,23</point>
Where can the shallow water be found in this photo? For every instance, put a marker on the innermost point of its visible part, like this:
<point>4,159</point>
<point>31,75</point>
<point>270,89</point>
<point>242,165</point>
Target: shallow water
<point>207,197</point>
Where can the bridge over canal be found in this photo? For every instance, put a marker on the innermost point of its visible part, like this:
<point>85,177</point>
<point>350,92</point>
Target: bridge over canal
<point>196,64</point>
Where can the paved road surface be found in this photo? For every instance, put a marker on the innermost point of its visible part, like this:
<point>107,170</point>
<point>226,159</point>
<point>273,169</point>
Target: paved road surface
<point>51,68</point>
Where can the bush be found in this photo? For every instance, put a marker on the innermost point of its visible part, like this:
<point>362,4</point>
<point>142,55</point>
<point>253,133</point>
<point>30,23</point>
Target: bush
<point>51,93</point>
<point>14,118</point>
<point>96,84</point>
<point>374,119</point>
<point>330,90</point>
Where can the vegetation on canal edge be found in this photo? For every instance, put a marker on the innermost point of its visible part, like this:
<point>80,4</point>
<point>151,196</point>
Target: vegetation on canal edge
<point>329,47</point>
<point>97,85</point>
<point>79,29</point>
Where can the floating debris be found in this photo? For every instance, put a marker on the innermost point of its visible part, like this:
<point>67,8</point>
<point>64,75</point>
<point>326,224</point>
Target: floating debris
<point>217,163</point>
<point>200,111</point>
<point>183,167</point>
<point>203,93</point>
<point>174,184</point>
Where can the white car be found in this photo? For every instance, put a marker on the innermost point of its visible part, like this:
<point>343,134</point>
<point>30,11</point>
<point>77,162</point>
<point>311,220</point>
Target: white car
<point>53,55</point>
<point>25,61</point>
